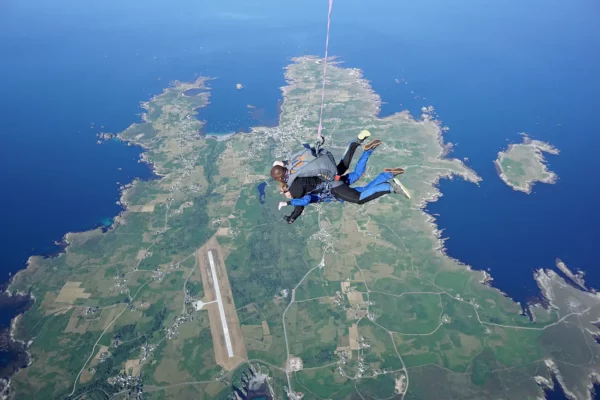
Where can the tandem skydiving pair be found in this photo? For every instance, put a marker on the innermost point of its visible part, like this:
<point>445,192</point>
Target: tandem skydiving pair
<point>312,176</point>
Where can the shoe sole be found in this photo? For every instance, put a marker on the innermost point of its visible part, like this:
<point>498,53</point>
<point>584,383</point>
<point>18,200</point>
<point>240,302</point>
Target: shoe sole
<point>395,171</point>
<point>404,190</point>
<point>372,144</point>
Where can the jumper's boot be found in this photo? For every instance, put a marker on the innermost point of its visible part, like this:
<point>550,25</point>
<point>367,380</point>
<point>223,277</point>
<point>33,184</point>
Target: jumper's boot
<point>394,171</point>
<point>363,135</point>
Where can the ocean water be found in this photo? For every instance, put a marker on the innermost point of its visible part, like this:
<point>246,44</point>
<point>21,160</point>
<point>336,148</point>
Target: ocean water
<point>538,78</point>
<point>71,69</point>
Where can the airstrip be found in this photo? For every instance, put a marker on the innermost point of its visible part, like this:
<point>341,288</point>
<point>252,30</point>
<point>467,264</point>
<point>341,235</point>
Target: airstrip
<point>228,342</point>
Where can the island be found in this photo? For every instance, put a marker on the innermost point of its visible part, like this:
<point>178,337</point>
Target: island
<point>199,288</point>
<point>523,164</point>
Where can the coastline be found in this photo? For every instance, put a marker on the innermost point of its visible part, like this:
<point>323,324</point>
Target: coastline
<point>18,344</point>
<point>11,344</point>
<point>70,237</point>
<point>124,190</point>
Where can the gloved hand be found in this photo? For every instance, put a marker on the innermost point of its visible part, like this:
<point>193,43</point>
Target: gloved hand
<point>289,219</point>
<point>281,204</point>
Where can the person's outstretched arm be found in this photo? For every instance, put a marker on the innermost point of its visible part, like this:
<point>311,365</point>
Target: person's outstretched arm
<point>301,202</point>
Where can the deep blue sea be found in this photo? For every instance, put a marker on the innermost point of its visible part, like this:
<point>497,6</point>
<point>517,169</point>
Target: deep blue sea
<point>70,69</point>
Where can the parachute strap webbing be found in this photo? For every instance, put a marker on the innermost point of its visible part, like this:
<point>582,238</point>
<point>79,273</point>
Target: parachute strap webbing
<point>324,70</point>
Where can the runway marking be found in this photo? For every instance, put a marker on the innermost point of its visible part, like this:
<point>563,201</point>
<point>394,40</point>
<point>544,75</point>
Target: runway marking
<point>220,305</point>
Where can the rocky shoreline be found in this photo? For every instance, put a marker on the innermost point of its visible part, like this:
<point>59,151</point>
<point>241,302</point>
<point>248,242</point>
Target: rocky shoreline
<point>13,351</point>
